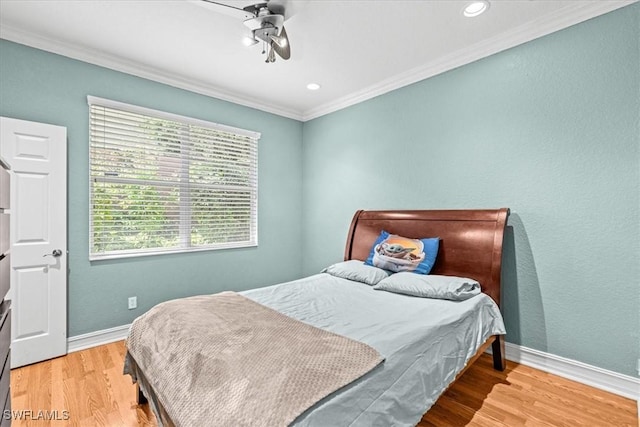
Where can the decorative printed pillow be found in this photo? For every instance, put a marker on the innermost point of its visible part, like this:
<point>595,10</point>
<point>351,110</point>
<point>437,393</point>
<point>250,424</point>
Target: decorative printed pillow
<point>396,253</point>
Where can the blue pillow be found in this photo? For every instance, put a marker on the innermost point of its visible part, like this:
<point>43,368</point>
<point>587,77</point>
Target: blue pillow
<point>396,253</point>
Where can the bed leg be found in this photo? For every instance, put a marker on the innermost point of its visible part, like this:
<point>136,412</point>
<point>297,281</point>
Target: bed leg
<point>140,398</point>
<point>497,348</point>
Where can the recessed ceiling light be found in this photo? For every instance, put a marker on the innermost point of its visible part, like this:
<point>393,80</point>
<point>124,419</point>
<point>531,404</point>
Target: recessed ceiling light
<point>475,8</point>
<point>313,86</point>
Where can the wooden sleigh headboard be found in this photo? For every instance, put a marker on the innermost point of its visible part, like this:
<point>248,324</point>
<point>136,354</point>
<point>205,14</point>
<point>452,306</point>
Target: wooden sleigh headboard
<point>470,240</point>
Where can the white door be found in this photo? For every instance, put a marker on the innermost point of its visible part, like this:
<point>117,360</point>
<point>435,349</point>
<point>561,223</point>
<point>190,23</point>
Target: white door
<point>37,155</point>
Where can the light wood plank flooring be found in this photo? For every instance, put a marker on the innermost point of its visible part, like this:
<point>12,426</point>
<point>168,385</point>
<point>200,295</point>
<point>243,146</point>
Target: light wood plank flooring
<point>89,385</point>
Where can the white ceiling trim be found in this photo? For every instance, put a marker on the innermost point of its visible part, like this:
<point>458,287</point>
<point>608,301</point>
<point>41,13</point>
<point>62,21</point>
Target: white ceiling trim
<point>134,68</point>
<point>548,24</point>
<point>560,19</point>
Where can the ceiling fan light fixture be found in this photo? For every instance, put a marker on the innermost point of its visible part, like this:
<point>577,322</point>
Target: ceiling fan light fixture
<point>475,8</point>
<point>249,41</point>
<point>265,20</point>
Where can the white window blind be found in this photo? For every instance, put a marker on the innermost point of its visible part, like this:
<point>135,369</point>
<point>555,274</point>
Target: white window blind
<point>165,183</point>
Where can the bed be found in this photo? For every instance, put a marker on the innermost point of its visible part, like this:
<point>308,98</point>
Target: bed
<point>409,349</point>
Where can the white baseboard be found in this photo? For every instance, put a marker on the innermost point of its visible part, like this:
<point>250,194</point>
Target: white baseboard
<point>613,382</point>
<point>94,339</point>
<point>593,376</point>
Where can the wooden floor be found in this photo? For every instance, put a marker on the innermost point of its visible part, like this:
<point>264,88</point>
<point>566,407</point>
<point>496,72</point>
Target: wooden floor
<point>88,388</point>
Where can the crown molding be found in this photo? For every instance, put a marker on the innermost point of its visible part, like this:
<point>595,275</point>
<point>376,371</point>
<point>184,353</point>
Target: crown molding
<point>570,15</point>
<point>134,68</point>
<point>560,19</point>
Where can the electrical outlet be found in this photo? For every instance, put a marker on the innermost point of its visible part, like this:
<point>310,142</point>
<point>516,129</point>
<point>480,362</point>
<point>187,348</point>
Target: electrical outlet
<point>133,303</point>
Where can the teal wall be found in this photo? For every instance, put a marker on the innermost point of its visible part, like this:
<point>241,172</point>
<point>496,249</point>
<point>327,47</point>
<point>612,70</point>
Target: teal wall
<point>550,129</point>
<point>44,87</point>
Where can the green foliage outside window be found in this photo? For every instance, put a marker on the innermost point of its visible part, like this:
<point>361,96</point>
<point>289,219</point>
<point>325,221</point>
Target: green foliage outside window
<point>159,185</point>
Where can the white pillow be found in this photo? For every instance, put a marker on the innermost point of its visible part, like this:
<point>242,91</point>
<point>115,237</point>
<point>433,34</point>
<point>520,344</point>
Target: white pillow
<point>357,271</point>
<point>430,286</point>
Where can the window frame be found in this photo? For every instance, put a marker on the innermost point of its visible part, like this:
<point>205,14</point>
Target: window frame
<point>185,209</point>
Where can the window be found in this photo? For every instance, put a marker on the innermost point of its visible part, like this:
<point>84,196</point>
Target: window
<point>165,183</point>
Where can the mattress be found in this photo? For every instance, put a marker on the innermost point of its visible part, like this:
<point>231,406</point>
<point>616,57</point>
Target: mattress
<point>425,343</point>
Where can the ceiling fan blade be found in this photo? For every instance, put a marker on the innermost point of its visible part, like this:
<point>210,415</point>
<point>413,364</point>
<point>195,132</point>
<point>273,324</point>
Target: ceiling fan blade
<point>286,8</point>
<point>280,44</point>
<point>254,9</point>
<point>277,7</point>
<point>227,9</point>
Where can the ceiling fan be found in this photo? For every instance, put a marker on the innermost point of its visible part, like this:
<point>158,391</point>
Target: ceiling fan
<point>266,22</point>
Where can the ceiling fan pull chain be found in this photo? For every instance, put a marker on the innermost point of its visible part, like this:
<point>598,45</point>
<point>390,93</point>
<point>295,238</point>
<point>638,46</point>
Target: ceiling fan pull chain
<point>272,54</point>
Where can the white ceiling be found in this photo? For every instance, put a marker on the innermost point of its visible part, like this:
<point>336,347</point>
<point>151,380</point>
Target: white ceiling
<point>355,49</point>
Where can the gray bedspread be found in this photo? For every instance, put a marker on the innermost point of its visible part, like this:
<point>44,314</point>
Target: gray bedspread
<point>226,360</point>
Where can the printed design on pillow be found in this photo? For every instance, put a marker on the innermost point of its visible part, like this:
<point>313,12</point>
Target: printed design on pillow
<point>396,253</point>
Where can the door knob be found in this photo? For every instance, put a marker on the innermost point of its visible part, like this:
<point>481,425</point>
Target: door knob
<point>56,253</point>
